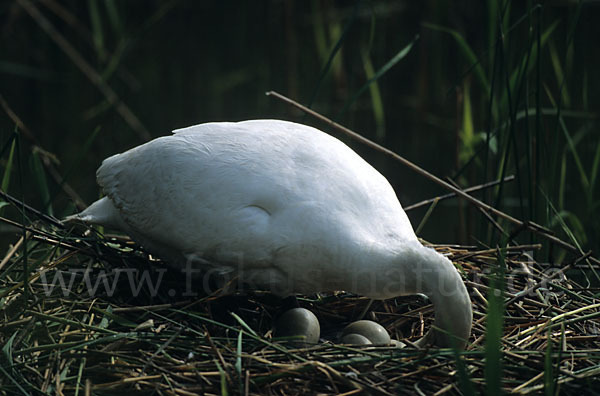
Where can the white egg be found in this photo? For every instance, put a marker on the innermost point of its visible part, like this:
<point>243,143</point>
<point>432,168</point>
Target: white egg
<point>299,322</point>
<point>397,344</point>
<point>355,339</point>
<point>374,332</point>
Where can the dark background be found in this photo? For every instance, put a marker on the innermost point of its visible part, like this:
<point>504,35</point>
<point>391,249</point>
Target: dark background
<point>178,63</point>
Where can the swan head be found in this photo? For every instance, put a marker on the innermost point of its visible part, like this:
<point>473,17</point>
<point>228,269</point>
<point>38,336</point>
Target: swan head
<point>412,268</point>
<point>452,304</point>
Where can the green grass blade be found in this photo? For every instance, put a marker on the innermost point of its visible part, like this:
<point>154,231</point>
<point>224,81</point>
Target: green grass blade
<point>15,382</point>
<point>243,324</point>
<point>8,347</point>
<point>559,358</point>
<point>391,63</point>
<point>223,376</point>
<point>87,145</point>
<point>113,16</point>
<point>318,30</point>
<point>376,100</point>
<point>9,166</point>
<point>108,315</point>
<point>467,53</point>
<point>559,218</point>
<point>529,62</point>
<point>594,172</point>
<point>562,182</point>
<point>575,229</point>
<point>572,148</point>
<point>426,217</point>
<point>39,175</point>
<point>464,381</point>
<point>238,361</point>
<point>492,27</point>
<point>6,363</point>
<point>468,139</point>
<point>548,371</point>
<point>78,382</point>
<point>111,68</point>
<point>493,329</point>
<point>332,54</point>
<point>24,219</point>
<point>558,72</point>
<point>96,25</point>
<point>585,91</point>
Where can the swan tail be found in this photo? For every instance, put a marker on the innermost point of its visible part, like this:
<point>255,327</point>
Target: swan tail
<point>102,212</point>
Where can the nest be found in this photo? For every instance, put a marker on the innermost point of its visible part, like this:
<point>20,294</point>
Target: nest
<point>535,328</point>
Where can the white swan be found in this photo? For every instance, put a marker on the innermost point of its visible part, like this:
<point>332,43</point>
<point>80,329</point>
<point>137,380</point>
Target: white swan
<point>282,205</point>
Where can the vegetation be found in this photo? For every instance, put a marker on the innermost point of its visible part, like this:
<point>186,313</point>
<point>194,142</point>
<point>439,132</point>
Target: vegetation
<point>508,86</point>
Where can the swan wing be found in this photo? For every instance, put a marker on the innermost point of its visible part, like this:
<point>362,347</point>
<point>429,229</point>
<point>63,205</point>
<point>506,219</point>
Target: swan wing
<point>259,191</point>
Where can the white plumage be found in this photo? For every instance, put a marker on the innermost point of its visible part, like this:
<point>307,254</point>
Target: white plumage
<point>284,206</point>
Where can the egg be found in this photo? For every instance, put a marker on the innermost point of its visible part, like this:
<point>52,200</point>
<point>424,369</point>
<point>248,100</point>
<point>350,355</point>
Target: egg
<point>397,344</point>
<point>299,322</point>
<point>374,332</point>
<point>355,339</point>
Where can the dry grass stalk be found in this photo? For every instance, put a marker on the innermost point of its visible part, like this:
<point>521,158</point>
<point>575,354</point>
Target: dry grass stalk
<point>115,342</point>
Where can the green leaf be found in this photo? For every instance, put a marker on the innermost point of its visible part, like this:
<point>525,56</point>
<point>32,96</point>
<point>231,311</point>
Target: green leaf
<point>223,376</point>
<point>96,22</point>
<point>467,52</point>
<point>42,183</point>
<point>7,348</point>
<point>391,63</point>
<point>594,172</point>
<point>376,100</point>
<point>9,166</point>
<point>238,361</point>
<point>332,55</point>
<point>493,329</point>
<point>244,324</point>
<point>468,138</point>
<point>113,16</point>
<point>548,376</point>
<point>464,381</point>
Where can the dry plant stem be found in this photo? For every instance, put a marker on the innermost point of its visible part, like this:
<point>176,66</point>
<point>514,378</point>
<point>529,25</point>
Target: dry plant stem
<point>162,348</point>
<point>63,13</point>
<point>21,226</point>
<point>452,195</point>
<point>553,276</point>
<point>79,202</point>
<point>70,19</point>
<point>530,225</point>
<point>15,118</point>
<point>18,203</point>
<point>45,160</point>
<point>11,252</point>
<point>131,119</point>
<point>485,214</point>
<point>126,356</point>
<point>518,248</point>
<point>149,308</point>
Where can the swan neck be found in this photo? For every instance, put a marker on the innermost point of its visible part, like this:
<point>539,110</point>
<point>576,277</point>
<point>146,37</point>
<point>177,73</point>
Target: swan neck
<point>451,302</point>
<point>418,269</point>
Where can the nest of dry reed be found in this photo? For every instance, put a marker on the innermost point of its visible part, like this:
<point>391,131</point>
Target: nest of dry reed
<point>66,340</point>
